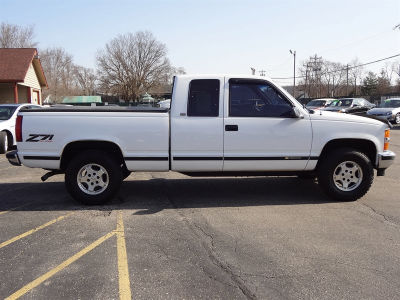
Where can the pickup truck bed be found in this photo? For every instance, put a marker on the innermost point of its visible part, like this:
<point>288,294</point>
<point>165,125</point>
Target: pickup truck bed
<point>97,109</point>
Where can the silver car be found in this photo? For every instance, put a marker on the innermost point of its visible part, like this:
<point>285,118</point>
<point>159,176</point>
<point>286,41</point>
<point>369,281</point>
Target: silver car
<point>388,110</point>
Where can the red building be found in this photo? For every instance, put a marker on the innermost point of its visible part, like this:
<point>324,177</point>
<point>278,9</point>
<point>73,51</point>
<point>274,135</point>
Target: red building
<point>21,76</point>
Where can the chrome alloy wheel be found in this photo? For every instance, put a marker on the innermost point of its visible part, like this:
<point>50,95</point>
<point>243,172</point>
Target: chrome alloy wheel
<point>397,118</point>
<point>347,176</point>
<point>92,179</point>
<point>6,142</point>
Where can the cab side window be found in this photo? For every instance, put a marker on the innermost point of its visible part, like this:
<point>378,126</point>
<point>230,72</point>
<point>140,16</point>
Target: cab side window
<point>257,99</point>
<point>203,98</point>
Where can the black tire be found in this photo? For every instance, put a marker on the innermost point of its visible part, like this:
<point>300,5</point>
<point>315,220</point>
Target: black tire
<point>397,119</point>
<point>98,159</point>
<point>125,173</point>
<point>331,162</point>
<point>3,142</point>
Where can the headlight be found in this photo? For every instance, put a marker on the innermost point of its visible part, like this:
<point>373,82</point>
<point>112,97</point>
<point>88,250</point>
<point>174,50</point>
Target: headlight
<point>342,110</point>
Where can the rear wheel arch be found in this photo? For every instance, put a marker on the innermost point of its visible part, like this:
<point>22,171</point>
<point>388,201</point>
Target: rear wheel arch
<point>75,148</point>
<point>364,146</point>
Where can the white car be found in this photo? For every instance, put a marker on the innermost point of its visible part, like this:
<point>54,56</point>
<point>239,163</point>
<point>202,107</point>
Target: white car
<point>388,110</point>
<point>218,125</point>
<point>8,115</point>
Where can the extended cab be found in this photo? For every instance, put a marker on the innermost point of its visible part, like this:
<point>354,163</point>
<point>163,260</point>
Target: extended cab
<point>216,126</point>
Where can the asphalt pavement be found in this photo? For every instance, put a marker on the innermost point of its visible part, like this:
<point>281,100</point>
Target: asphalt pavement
<point>169,236</point>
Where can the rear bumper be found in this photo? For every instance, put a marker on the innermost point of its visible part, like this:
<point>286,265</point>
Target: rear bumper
<point>385,159</point>
<point>13,158</point>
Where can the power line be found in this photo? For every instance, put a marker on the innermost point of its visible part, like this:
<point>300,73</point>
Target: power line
<point>343,69</point>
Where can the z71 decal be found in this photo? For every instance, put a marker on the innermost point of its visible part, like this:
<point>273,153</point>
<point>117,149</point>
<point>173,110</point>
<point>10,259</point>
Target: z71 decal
<point>40,138</point>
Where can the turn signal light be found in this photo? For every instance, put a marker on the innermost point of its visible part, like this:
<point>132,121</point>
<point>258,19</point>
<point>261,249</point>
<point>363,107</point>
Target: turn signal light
<point>386,140</point>
<point>18,129</point>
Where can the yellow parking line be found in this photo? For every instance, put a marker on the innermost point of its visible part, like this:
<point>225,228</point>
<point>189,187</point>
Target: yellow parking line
<point>14,208</point>
<point>25,234</point>
<point>60,267</point>
<point>123,271</point>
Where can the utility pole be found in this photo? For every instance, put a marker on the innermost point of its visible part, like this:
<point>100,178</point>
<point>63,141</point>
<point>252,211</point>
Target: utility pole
<point>262,73</point>
<point>309,78</point>
<point>315,64</point>
<point>253,71</point>
<point>347,79</point>
<point>294,72</point>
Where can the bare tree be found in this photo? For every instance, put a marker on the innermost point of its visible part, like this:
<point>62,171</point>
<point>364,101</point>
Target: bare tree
<point>396,68</point>
<point>131,64</point>
<point>59,70</point>
<point>333,77</point>
<point>15,36</point>
<point>85,79</point>
<point>356,74</point>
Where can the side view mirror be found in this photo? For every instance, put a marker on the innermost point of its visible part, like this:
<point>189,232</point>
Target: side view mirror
<point>297,113</point>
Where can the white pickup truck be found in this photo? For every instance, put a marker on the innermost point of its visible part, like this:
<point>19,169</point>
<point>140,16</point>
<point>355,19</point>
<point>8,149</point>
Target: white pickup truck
<point>217,126</point>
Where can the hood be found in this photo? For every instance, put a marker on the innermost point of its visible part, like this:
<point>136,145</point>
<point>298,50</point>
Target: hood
<point>380,110</point>
<point>333,116</point>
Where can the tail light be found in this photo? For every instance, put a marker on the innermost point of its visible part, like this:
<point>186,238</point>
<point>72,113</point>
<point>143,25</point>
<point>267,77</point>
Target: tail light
<point>18,129</point>
<point>386,140</point>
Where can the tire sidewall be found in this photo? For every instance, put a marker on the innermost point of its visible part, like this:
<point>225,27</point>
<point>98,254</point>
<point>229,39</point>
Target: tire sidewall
<point>396,118</point>
<point>3,145</point>
<point>327,169</point>
<point>96,157</point>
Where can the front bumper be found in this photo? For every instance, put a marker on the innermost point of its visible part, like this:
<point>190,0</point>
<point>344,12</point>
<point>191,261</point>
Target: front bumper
<point>385,159</point>
<point>383,117</point>
<point>13,158</point>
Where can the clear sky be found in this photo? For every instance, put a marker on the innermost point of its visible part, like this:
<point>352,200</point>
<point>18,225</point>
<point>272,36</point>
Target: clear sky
<point>219,36</point>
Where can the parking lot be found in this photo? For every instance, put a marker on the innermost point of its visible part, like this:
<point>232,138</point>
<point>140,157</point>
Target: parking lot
<point>174,237</point>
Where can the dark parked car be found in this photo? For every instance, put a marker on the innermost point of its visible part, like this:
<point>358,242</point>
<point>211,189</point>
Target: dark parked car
<point>388,110</point>
<point>350,106</point>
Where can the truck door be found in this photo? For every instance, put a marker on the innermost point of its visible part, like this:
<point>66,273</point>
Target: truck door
<point>261,132</point>
<point>197,124</point>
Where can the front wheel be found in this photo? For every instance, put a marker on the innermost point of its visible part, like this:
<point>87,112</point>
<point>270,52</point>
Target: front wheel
<point>93,177</point>
<point>346,174</point>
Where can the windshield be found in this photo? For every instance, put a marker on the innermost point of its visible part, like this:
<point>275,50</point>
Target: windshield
<point>6,112</point>
<point>316,103</point>
<point>343,102</point>
<point>390,103</point>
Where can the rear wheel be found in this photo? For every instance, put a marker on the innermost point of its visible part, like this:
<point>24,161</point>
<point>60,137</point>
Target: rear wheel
<point>3,142</point>
<point>346,174</point>
<point>93,177</point>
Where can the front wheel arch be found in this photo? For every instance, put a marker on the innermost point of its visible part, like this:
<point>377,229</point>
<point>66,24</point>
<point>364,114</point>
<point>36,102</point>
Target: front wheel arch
<point>364,146</point>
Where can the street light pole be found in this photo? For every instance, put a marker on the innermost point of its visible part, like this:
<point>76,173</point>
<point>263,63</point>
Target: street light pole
<point>294,71</point>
